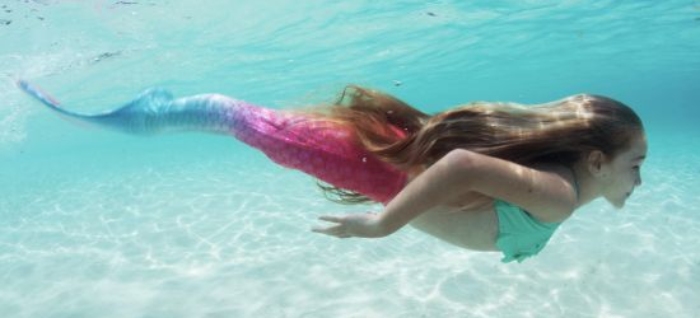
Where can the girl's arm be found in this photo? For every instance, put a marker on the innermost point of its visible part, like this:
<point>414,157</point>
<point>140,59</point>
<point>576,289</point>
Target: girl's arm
<point>546,195</point>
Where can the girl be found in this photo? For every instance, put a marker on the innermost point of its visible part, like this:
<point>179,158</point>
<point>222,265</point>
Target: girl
<point>484,176</point>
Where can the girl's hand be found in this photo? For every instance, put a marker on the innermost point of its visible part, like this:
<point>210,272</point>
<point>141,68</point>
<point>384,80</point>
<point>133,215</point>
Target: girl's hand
<point>353,225</point>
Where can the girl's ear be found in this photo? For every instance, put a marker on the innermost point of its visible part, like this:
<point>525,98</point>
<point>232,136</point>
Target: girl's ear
<point>596,163</point>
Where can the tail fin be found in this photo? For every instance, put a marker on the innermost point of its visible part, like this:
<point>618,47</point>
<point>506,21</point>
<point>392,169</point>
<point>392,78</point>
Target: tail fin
<point>152,112</point>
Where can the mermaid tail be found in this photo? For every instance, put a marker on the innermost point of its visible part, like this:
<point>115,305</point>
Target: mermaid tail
<point>319,148</point>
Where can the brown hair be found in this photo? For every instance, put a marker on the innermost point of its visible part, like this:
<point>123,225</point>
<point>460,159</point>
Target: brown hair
<point>558,132</point>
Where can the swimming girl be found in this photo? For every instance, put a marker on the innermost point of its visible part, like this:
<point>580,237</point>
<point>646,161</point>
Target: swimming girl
<point>483,176</point>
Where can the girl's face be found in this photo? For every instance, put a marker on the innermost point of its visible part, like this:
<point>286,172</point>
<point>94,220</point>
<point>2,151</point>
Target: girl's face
<point>621,175</point>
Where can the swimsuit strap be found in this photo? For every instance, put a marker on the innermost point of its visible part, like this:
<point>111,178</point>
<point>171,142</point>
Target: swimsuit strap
<point>573,173</point>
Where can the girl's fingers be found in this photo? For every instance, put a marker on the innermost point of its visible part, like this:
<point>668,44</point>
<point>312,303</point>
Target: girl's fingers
<point>338,229</point>
<point>330,230</point>
<point>322,230</point>
<point>331,218</point>
<point>334,230</point>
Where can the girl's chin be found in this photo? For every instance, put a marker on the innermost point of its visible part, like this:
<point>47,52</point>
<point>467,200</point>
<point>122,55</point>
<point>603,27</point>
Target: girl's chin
<point>618,204</point>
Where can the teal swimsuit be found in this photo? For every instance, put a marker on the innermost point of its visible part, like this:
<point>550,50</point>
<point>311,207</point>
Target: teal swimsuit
<point>520,235</point>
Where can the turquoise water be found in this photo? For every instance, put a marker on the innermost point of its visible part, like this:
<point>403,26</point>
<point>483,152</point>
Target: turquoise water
<point>96,224</point>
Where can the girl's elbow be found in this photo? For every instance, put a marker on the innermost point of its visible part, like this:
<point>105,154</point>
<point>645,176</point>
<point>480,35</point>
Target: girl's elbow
<point>461,161</point>
<point>461,164</point>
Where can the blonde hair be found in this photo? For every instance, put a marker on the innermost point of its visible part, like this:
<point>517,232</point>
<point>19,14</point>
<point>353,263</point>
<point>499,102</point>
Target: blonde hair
<point>558,132</point>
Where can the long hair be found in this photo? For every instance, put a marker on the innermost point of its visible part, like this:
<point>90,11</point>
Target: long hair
<point>559,132</point>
